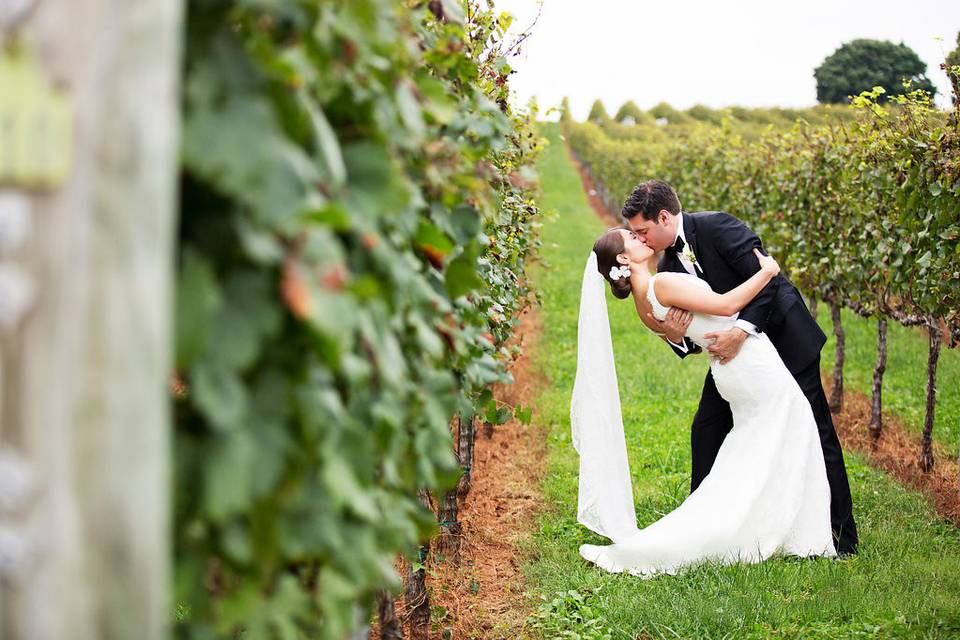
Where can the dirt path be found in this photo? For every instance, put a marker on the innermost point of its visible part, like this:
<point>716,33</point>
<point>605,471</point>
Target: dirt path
<point>483,597</point>
<point>596,203</point>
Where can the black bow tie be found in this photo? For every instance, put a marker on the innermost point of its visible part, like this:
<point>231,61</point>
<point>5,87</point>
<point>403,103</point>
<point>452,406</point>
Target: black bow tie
<point>678,245</point>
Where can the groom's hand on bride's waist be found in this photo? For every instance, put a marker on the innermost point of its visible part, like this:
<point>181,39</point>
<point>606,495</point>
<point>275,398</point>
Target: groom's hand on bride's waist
<point>674,327</point>
<point>726,344</point>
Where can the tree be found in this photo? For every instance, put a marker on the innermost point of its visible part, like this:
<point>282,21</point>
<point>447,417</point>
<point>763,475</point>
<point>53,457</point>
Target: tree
<point>598,113</point>
<point>632,111</point>
<point>862,64</point>
<point>953,61</point>
<point>672,116</point>
<point>953,58</point>
<point>704,113</point>
<point>565,109</point>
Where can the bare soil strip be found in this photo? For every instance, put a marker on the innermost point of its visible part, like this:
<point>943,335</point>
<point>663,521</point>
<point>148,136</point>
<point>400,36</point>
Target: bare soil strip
<point>483,596</point>
<point>898,453</point>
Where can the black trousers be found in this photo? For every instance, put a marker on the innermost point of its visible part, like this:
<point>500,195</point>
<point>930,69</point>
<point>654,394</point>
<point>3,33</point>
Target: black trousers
<point>713,422</point>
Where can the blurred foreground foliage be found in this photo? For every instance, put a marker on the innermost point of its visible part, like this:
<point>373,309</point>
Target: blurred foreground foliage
<point>356,221</point>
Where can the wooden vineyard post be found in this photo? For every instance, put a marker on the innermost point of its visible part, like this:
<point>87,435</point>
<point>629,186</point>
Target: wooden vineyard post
<point>876,403</point>
<point>836,395</point>
<point>450,528</point>
<point>926,451</point>
<point>85,435</point>
<point>466,438</point>
<point>448,543</point>
<point>415,596</point>
<point>390,628</point>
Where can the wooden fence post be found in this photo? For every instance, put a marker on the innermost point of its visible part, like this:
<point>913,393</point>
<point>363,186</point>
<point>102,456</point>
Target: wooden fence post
<point>85,369</point>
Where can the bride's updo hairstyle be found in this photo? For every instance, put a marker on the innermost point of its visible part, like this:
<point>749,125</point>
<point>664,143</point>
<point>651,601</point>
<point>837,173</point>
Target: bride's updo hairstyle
<point>608,247</point>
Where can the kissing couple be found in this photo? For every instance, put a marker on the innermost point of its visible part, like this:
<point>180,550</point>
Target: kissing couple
<point>767,469</point>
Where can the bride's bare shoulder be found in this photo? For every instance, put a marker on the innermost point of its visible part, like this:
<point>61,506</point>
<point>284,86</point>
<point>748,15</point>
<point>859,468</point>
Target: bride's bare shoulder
<point>667,278</point>
<point>669,283</point>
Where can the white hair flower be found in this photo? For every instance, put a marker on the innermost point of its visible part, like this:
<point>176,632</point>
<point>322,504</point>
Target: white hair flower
<point>619,272</point>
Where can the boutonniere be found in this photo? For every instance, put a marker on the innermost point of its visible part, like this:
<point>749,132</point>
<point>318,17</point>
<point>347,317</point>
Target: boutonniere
<point>688,255</point>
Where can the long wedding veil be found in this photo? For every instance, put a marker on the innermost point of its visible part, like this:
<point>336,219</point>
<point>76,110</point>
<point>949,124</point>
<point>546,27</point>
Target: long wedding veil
<point>605,495</point>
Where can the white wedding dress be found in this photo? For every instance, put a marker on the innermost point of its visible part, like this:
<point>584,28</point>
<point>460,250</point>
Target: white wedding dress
<point>767,491</point>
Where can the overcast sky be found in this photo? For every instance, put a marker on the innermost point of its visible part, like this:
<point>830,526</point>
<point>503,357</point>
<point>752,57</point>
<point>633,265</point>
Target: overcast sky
<point>756,53</point>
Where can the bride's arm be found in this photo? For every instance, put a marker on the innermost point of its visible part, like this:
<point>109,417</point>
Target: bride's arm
<point>675,291</point>
<point>645,317</point>
<point>682,321</point>
<point>657,327</point>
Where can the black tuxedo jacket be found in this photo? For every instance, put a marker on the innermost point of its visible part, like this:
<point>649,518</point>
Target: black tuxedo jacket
<point>723,247</point>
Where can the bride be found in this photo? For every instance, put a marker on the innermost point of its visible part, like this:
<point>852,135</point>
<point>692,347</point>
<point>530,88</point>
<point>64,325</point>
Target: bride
<point>767,490</point>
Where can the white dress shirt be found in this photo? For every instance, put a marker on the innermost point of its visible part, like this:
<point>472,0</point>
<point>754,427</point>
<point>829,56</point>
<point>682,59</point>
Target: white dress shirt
<point>746,325</point>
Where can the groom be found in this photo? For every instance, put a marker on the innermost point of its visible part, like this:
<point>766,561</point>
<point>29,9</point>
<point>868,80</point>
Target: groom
<point>718,248</point>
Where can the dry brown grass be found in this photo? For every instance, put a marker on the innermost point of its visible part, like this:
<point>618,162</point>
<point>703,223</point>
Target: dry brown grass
<point>897,452</point>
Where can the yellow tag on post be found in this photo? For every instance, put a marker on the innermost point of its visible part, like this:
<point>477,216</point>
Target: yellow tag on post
<point>36,124</point>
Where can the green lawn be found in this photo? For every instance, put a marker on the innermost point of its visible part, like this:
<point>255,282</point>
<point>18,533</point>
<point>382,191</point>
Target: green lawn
<point>904,583</point>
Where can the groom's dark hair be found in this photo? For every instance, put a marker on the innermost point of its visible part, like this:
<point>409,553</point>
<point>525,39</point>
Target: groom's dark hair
<point>648,198</point>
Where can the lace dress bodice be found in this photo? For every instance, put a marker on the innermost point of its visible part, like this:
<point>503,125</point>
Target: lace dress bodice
<point>702,323</point>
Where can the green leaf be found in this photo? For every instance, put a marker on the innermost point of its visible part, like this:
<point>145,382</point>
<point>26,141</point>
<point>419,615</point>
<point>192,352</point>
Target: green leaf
<point>198,299</point>
<point>343,486</point>
<point>236,342</point>
<point>236,543</point>
<point>334,315</point>
<point>219,395</point>
<point>466,223</point>
<point>410,110</point>
<point>227,470</point>
<point>331,157</point>
<point>497,415</point>
<point>217,144</point>
<point>261,246</point>
<point>332,215</point>
<point>289,607</point>
<point>523,414</point>
<point>237,606</point>
<point>461,275</point>
<point>377,186</point>
<point>440,104</point>
<point>429,237</point>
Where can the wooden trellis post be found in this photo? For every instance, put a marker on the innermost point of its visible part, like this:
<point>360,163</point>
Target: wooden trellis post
<point>88,166</point>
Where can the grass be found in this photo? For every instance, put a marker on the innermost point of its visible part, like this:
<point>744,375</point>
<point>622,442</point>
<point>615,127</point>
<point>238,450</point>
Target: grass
<point>904,583</point>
